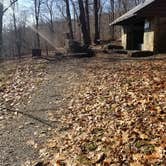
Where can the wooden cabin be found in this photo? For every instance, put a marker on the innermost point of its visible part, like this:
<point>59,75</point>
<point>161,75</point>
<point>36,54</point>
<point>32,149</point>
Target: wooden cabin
<point>144,27</point>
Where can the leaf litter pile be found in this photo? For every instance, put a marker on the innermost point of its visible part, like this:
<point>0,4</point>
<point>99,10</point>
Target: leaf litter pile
<point>116,117</point>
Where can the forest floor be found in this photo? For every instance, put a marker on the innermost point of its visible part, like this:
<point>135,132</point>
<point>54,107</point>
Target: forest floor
<point>104,110</point>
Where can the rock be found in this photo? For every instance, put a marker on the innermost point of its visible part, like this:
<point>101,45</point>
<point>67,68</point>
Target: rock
<point>140,53</point>
<point>107,163</point>
<point>101,158</point>
<point>21,127</point>
<point>31,142</point>
<point>43,152</point>
<point>112,47</point>
<point>29,123</point>
<point>1,117</point>
<point>42,163</point>
<point>120,51</point>
<point>60,163</point>
<point>76,49</point>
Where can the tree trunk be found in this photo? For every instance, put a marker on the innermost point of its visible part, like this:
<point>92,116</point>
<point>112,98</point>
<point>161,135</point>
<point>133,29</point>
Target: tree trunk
<point>77,22</point>
<point>1,25</point>
<point>50,10</point>
<point>86,37</point>
<point>87,17</point>
<point>18,41</point>
<point>97,32</point>
<point>112,29</point>
<point>37,34</point>
<point>51,25</point>
<point>69,22</point>
<point>37,5</point>
<point>2,11</point>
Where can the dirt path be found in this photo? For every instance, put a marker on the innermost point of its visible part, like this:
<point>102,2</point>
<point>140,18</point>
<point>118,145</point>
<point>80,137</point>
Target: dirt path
<point>22,135</point>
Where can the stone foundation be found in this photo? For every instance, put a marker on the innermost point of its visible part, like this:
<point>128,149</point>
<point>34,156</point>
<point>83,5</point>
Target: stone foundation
<point>148,44</point>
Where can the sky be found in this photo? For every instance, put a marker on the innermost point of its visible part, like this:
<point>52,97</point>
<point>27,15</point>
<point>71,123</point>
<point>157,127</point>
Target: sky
<point>21,2</point>
<point>23,5</point>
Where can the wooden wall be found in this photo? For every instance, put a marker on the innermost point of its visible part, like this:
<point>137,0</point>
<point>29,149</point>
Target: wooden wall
<point>160,43</point>
<point>154,36</point>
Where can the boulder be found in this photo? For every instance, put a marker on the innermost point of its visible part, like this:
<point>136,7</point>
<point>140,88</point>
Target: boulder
<point>76,49</point>
<point>140,53</point>
<point>112,47</point>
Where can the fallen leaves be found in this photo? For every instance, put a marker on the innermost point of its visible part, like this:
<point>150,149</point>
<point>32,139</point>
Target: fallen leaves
<point>118,111</point>
<point>18,81</point>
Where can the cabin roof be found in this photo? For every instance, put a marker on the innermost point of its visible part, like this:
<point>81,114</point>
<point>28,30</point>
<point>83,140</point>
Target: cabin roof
<point>133,12</point>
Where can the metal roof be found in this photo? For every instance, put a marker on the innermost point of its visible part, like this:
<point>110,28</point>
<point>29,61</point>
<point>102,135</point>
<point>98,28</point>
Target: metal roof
<point>133,12</point>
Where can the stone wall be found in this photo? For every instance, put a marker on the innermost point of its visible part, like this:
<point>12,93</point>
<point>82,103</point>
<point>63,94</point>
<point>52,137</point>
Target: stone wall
<point>124,38</point>
<point>149,35</point>
<point>148,41</point>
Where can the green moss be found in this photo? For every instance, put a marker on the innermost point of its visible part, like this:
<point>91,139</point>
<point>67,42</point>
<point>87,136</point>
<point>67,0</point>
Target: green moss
<point>91,146</point>
<point>139,144</point>
<point>144,147</point>
<point>97,131</point>
<point>148,149</point>
<point>40,66</point>
<point>83,160</point>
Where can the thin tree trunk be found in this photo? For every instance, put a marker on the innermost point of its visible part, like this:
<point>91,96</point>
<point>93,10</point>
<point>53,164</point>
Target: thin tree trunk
<point>2,11</point>
<point>50,10</point>
<point>97,32</point>
<point>18,41</point>
<point>86,37</point>
<point>37,13</point>
<point>1,25</point>
<point>112,29</point>
<point>51,23</point>
<point>69,18</point>
<point>37,34</point>
<point>87,17</point>
<point>77,21</point>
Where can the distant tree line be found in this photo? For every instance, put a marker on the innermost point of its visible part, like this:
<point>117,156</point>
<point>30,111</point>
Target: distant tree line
<point>85,20</point>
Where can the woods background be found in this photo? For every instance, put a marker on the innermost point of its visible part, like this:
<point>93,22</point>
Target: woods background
<point>43,23</point>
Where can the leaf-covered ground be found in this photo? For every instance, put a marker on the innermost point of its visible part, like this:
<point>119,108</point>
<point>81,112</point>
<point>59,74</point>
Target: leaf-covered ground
<point>31,92</point>
<point>18,81</point>
<point>116,117</point>
<point>102,111</point>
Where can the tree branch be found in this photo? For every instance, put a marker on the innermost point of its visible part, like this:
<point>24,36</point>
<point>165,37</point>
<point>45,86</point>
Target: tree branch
<point>11,3</point>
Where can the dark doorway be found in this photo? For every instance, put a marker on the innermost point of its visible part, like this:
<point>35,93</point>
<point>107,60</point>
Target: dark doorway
<point>161,36</point>
<point>135,36</point>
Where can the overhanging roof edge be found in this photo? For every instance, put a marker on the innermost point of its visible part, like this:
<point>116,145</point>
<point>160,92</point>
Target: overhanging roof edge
<point>131,13</point>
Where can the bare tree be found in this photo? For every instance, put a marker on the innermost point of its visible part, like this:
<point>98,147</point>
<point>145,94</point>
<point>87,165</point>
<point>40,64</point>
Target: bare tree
<point>87,17</point>
<point>76,19</point>
<point>96,17</point>
<point>17,32</point>
<point>37,6</point>
<point>50,5</point>
<point>86,37</point>
<point>112,4</point>
<point>2,12</point>
<point>69,21</point>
